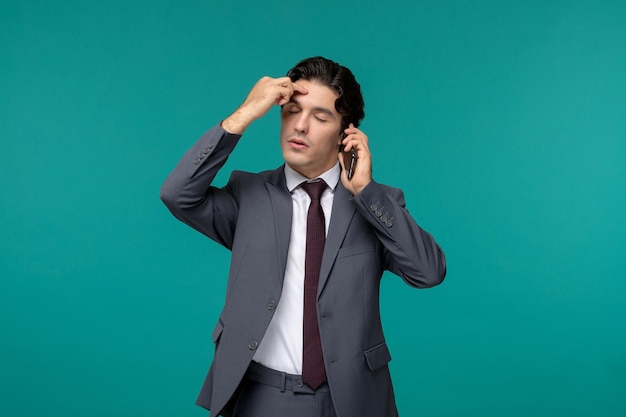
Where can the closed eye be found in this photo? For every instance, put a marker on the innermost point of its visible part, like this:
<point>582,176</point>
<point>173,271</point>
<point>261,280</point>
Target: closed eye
<point>292,109</point>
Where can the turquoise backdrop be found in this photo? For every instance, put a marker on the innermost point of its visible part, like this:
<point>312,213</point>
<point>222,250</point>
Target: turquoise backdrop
<point>503,121</point>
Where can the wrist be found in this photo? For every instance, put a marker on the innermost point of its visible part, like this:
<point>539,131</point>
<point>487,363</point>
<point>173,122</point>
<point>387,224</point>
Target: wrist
<point>236,123</point>
<point>361,187</point>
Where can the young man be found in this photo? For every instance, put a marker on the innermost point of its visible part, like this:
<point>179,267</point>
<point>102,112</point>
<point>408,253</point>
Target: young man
<point>300,332</point>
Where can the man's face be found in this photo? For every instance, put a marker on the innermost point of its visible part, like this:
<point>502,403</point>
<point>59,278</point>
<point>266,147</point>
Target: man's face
<point>310,130</point>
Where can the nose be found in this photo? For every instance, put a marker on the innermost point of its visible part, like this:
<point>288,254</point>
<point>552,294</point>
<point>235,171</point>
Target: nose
<point>302,124</point>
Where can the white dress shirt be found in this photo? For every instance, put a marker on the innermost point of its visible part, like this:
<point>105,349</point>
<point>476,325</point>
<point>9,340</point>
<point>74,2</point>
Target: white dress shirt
<point>281,347</point>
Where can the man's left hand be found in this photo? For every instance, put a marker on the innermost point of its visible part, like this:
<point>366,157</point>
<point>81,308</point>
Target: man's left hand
<point>362,175</point>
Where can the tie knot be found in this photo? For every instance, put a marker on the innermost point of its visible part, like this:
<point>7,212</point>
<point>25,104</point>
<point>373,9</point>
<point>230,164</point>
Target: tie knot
<point>314,189</point>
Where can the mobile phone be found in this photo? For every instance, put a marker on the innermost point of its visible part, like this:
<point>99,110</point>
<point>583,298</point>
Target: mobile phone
<point>349,159</point>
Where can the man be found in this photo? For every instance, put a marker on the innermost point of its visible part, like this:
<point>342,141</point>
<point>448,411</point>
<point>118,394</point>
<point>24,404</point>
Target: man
<point>300,332</point>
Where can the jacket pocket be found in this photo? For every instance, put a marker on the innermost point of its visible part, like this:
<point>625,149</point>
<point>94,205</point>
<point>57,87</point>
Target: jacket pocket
<point>356,250</point>
<point>377,356</point>
<point>217,331</point>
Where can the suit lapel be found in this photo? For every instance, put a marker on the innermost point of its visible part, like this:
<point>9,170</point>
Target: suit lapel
<point>343,211</point>
<point>282,209</point>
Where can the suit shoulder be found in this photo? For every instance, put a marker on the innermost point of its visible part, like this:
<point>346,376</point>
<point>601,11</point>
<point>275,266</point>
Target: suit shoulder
<point>247,179</point>
<point>263,175</point>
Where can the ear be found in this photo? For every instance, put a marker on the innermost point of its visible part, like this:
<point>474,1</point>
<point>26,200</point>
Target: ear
<point>342,134</point>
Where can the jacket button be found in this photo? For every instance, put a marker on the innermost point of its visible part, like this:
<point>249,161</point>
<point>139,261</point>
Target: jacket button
<point>253,345</point>
<point>271,305</point>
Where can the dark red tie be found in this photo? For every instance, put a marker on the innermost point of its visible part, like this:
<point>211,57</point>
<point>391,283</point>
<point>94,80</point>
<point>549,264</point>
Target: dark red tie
<point>313,371</point>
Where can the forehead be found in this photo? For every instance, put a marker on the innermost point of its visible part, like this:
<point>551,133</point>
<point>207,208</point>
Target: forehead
<point>319,95</point>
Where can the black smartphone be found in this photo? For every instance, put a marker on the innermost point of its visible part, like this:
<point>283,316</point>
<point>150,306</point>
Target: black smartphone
<point>349,159</point>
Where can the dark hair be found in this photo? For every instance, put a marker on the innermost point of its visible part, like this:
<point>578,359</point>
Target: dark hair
<point>340,79</point>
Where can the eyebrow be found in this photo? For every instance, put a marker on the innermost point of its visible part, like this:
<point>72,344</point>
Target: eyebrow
<point>317,109</point>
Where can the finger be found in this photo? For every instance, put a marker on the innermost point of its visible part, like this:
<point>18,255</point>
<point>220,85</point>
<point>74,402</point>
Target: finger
<point>353,138</point>
<point>287,83</point>
<point>286,91</point>
<point>342,172</point>
<point>347,142</point>
<point>356,136</point>
<point>351,130</point>
<point>340,157</point>
<point>283,81</point>
<point>300,89</point>
<point>284,98</point>
<point>350,145</point>
<point>357,143</point>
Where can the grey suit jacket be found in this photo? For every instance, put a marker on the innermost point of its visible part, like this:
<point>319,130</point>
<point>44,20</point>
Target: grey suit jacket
<point>251,216</point>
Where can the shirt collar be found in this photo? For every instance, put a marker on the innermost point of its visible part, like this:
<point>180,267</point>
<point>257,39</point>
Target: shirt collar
<point>294,178</point>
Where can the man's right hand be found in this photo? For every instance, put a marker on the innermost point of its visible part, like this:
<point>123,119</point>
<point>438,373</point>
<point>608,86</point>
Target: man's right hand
<point>265,93</point>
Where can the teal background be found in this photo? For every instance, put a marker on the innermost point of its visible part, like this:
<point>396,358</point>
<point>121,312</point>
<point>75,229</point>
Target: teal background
<point>504,122</point>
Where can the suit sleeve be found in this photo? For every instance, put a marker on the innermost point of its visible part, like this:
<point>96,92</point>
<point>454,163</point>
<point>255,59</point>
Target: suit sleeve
<point>410,251</point>
<point>188,194</point>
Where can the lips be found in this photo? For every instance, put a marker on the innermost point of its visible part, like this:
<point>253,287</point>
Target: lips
<point>297,143</point>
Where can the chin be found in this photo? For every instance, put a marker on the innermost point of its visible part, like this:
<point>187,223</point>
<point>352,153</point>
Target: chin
<point>295,159</point>
<point>298,166</point>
